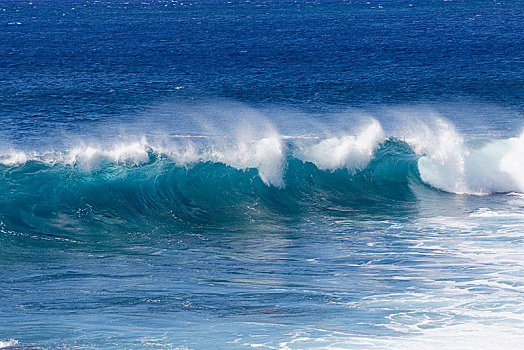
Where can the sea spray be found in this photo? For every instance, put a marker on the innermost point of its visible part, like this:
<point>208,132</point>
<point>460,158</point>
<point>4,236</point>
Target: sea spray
<point>443,158</point>
<point>352,152</point>
<point>442,154</point>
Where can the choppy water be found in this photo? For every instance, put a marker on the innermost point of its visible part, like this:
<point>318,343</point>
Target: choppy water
<point>339,174</point>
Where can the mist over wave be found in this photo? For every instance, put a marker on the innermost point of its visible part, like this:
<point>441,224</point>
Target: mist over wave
<point>436,153</point>
<point>261,174</point>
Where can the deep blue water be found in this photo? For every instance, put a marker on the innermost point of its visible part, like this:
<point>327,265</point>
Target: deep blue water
<point>273,174</point>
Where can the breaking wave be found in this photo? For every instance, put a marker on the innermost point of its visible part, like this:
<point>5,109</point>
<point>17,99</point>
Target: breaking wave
<point>435,153</point>
<point>199,179</point>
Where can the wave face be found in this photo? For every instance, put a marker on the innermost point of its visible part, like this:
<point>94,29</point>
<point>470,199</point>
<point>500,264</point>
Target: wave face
<point>269,174</point>
<point>138,180</point>
<point>209,179</point>
<point>404,228</point>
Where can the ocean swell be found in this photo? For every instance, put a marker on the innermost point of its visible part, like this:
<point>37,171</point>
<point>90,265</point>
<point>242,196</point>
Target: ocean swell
<point>213,178</point>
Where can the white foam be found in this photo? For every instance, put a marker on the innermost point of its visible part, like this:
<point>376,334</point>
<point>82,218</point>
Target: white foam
<point>6,343</point>
<point>512,162</point>
<point>449,164</point>
<point>442,163</point>
<point>487,213</point>
<point>129,153</point>
<point>265,154</point>
<point>348,151</point>
<point>473,335</point>
<point>446,161</point>
<point>13,158</point>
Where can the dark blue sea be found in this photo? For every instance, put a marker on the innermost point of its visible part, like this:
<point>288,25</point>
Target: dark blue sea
<point>261,174</point>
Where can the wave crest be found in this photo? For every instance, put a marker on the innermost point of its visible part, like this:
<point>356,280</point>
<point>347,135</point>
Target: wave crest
<point>444,160</point>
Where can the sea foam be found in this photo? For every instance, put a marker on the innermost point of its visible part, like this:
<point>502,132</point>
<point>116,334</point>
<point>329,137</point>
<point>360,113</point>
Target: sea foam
<point>347,151</point>
<point>8,343</point>
<point>444,158</point>
<point>449,164</point>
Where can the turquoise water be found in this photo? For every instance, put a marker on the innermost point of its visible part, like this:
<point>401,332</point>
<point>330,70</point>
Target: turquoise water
<point>288,175</point>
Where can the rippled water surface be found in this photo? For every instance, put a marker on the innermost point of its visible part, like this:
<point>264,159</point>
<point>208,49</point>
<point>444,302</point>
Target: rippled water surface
<point>269,174</point>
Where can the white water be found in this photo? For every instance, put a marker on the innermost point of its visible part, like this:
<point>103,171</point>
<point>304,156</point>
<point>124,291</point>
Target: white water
<point>6,343</point>
<point>449,164</point>
<point>352,152</point>
<point>446,160</point>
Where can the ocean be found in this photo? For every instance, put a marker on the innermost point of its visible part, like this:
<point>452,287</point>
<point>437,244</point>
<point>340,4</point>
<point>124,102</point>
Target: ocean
<point>261,174</point>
